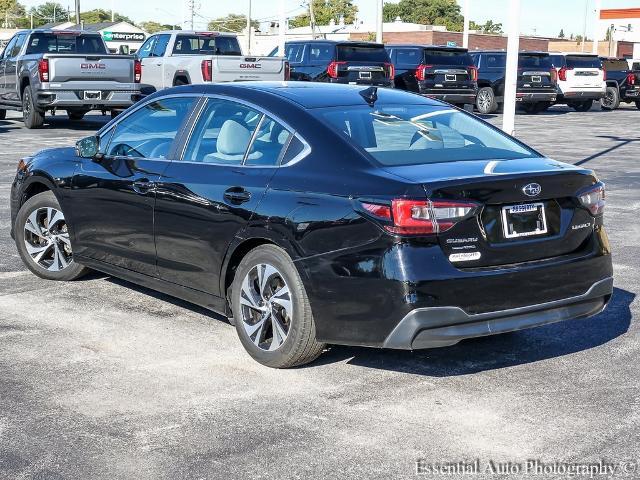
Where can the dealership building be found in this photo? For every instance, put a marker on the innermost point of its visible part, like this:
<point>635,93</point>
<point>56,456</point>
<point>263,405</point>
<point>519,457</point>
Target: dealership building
<point>622,25</point>
<point>120,37</point>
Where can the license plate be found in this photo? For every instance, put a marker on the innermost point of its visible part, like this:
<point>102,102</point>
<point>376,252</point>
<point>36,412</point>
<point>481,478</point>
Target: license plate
<point>524,220</point>
<point>536,78</point>
<point>365,75</point>
<point>92,94</point>
<point>449,77</point>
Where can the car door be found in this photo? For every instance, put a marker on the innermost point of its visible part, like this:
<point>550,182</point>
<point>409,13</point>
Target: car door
<point>3,74</point>
<point>207,198</point>
<point>144,54</point>
<point>295,55</point>
<point>114,194</point>
<point>11,70</point>
<point>155,64</point>
<point>317,58</point>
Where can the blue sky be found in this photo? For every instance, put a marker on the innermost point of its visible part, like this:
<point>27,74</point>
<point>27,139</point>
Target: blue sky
<point>542,17</point>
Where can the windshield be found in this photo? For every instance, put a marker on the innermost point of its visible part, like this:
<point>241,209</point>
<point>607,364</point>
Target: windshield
<point>206,45</point>
<point>534,61</point>
<point>351,53</point>
<point>60,43</point>
<point>583,61</point>
<point>447,57</point>
<point>413,134</point>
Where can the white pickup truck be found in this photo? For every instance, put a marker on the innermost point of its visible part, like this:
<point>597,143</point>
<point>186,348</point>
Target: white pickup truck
<point>178,57</point>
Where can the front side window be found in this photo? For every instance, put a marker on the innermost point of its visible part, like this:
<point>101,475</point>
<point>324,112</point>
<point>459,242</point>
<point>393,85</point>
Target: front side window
<point>15,51</point>
<point>150,131</point>
<point>9,47</point>
<point>414,134</point>
<point>294,52</point>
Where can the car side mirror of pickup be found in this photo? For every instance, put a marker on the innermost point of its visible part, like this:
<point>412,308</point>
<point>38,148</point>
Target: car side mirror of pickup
<point>88,147</point>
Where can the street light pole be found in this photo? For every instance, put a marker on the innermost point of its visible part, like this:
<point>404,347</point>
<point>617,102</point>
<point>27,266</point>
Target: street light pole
<point>379,21</point>
<point>78,12</point>
<point>249,29</point>
<point>465,31</point>
<point>511,78</point>
<point>281,30</point>
<point>596,27</point>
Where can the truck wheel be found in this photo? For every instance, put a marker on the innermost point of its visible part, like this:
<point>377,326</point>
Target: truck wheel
<point>3,114</point>
<point>486,101</point>
<point>611,99</point>
<point>583,106</point>
<point>75,116</point>
<point>638,104</point>
<point>180,81</point>
<point>33,118</point>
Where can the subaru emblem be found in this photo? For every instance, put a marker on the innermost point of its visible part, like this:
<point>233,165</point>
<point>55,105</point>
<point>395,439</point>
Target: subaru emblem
<point>532,189</point>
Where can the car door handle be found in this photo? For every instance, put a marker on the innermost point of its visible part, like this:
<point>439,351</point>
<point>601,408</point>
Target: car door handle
<point>237,195</point>
<point>143,186</point>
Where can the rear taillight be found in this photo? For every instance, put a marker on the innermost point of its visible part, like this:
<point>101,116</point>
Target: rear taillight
<point>594,199</point>
<point>137,71</point>
<point>43,69</point>
<point>207,70</point>
<point>420,217</point>
<point>421,72</point>
<point>287,71</point>
<point>562,74</point>
<point>473,73</point>
<point>391,70</point>
<point>332,69</point>
<point>554,75</point>
<point>604,74</point>
<point>631,79</point>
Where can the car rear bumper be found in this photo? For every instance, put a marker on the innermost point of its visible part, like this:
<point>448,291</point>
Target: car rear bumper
<point>536,97</point>
<point>631,94</point>
<point>581,95</point>
<point>454,97</point>
<point>444,326</point>
<point>94,99</point>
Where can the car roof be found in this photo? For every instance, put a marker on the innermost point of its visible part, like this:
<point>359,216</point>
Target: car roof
<point>581,54</point>
<point>427,47</point>
<point>204,33</point>
<point>520,52</point>
<point>340,42</point>
<point>308,94</point>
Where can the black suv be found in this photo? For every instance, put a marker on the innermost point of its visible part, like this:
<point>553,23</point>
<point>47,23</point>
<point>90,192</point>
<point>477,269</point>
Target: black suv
<point>445,73</point>
<point>623,84</point>
<point>362,63</point>
<point>537,82</point>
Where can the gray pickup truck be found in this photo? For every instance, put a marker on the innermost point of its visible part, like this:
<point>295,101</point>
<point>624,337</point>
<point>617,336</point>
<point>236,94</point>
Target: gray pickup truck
<point>47,70</point>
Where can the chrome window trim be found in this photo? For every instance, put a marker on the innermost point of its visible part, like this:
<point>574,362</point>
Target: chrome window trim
<point>305,151</point>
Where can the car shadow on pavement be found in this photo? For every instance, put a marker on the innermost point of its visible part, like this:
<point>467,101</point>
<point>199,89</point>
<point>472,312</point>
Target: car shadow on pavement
<point>498,351</point>
<point>621,143</point>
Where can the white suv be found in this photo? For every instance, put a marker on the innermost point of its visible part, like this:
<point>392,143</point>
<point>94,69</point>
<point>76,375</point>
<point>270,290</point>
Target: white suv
<point>581,79</point>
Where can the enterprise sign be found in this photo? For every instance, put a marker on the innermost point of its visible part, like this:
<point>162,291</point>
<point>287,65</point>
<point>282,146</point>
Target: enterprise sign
<point>123,37</point>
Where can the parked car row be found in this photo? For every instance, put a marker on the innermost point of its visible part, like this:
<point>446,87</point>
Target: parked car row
<point>460,77</point>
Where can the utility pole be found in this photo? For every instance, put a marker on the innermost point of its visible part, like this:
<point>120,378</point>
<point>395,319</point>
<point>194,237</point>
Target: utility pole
<point>511,77</point>
<point>312,18</point>
<point>596,27</point>
<point>192,13</point>
<point>31,20</point>
<point>113,13</point>
<point>78,12</point>
<point>584,28</point>
<point>465,31</point>
<point>281,31</point>
<point>249,29</point>
<point>379,20</point>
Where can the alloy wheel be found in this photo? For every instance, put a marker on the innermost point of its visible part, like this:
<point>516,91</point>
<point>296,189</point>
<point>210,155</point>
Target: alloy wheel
<point>484,100</point>
<point>267,307</point>
<point>46,238</point>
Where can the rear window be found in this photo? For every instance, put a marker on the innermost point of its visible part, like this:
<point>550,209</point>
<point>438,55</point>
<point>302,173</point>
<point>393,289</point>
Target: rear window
<point>60,43</point>
<point>615,65</point>
<point>583,61</point>
<point>535,61</point>
<point>206,45</point>
<point>447,57</point>
<point>415,134</point>
<point>361,53</point>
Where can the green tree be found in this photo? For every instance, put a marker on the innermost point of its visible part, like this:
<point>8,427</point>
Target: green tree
<point>231,23</point>
<point>13,13</point>
<point>99,15</point>
<point>579,39</point>
<point>325,11</point>
<point>153,27</point>
<point>488,27</point>
<point>426,12</point>
<point>48,12</point>
<point>561,34</point>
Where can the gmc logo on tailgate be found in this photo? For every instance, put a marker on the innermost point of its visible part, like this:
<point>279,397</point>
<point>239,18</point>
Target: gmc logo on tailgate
<point>250,65</point>
<point>93,66</point>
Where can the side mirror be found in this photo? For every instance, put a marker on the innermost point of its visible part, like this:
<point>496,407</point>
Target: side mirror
<point>87,147</point>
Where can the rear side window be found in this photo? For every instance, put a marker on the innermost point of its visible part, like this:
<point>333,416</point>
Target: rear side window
<point>149,132</point>
<point>267,144</point>
<point>206,45</point>
<point>447,57</point>
<point>494,60</point>
<point>61,43</point>
<point>557,61</point>
<point>583,61</point>
<point>535,61</point>
<point>294,52</point>
<point>320,53</point>
<point>408,56</point>
<point>360,53</point>
<point>615,65</point>
<point>160,48</point>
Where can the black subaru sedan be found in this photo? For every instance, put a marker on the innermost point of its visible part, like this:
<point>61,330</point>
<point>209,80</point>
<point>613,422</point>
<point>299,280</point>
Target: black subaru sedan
<point>313,214</point>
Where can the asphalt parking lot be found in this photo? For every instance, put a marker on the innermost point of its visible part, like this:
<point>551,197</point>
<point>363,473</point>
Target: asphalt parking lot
<point>103,379</point>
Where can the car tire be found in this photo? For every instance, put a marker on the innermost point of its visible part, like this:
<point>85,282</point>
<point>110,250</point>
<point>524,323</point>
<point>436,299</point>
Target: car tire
<point>583,106</point>
<point>271,310</point>
<point>611,99</point>
<point>42,239</point>
<point>638,104</point>
<point>75,116</point>
<point>486,101</point>
<point>3,114</point>
<point>32,116</point>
